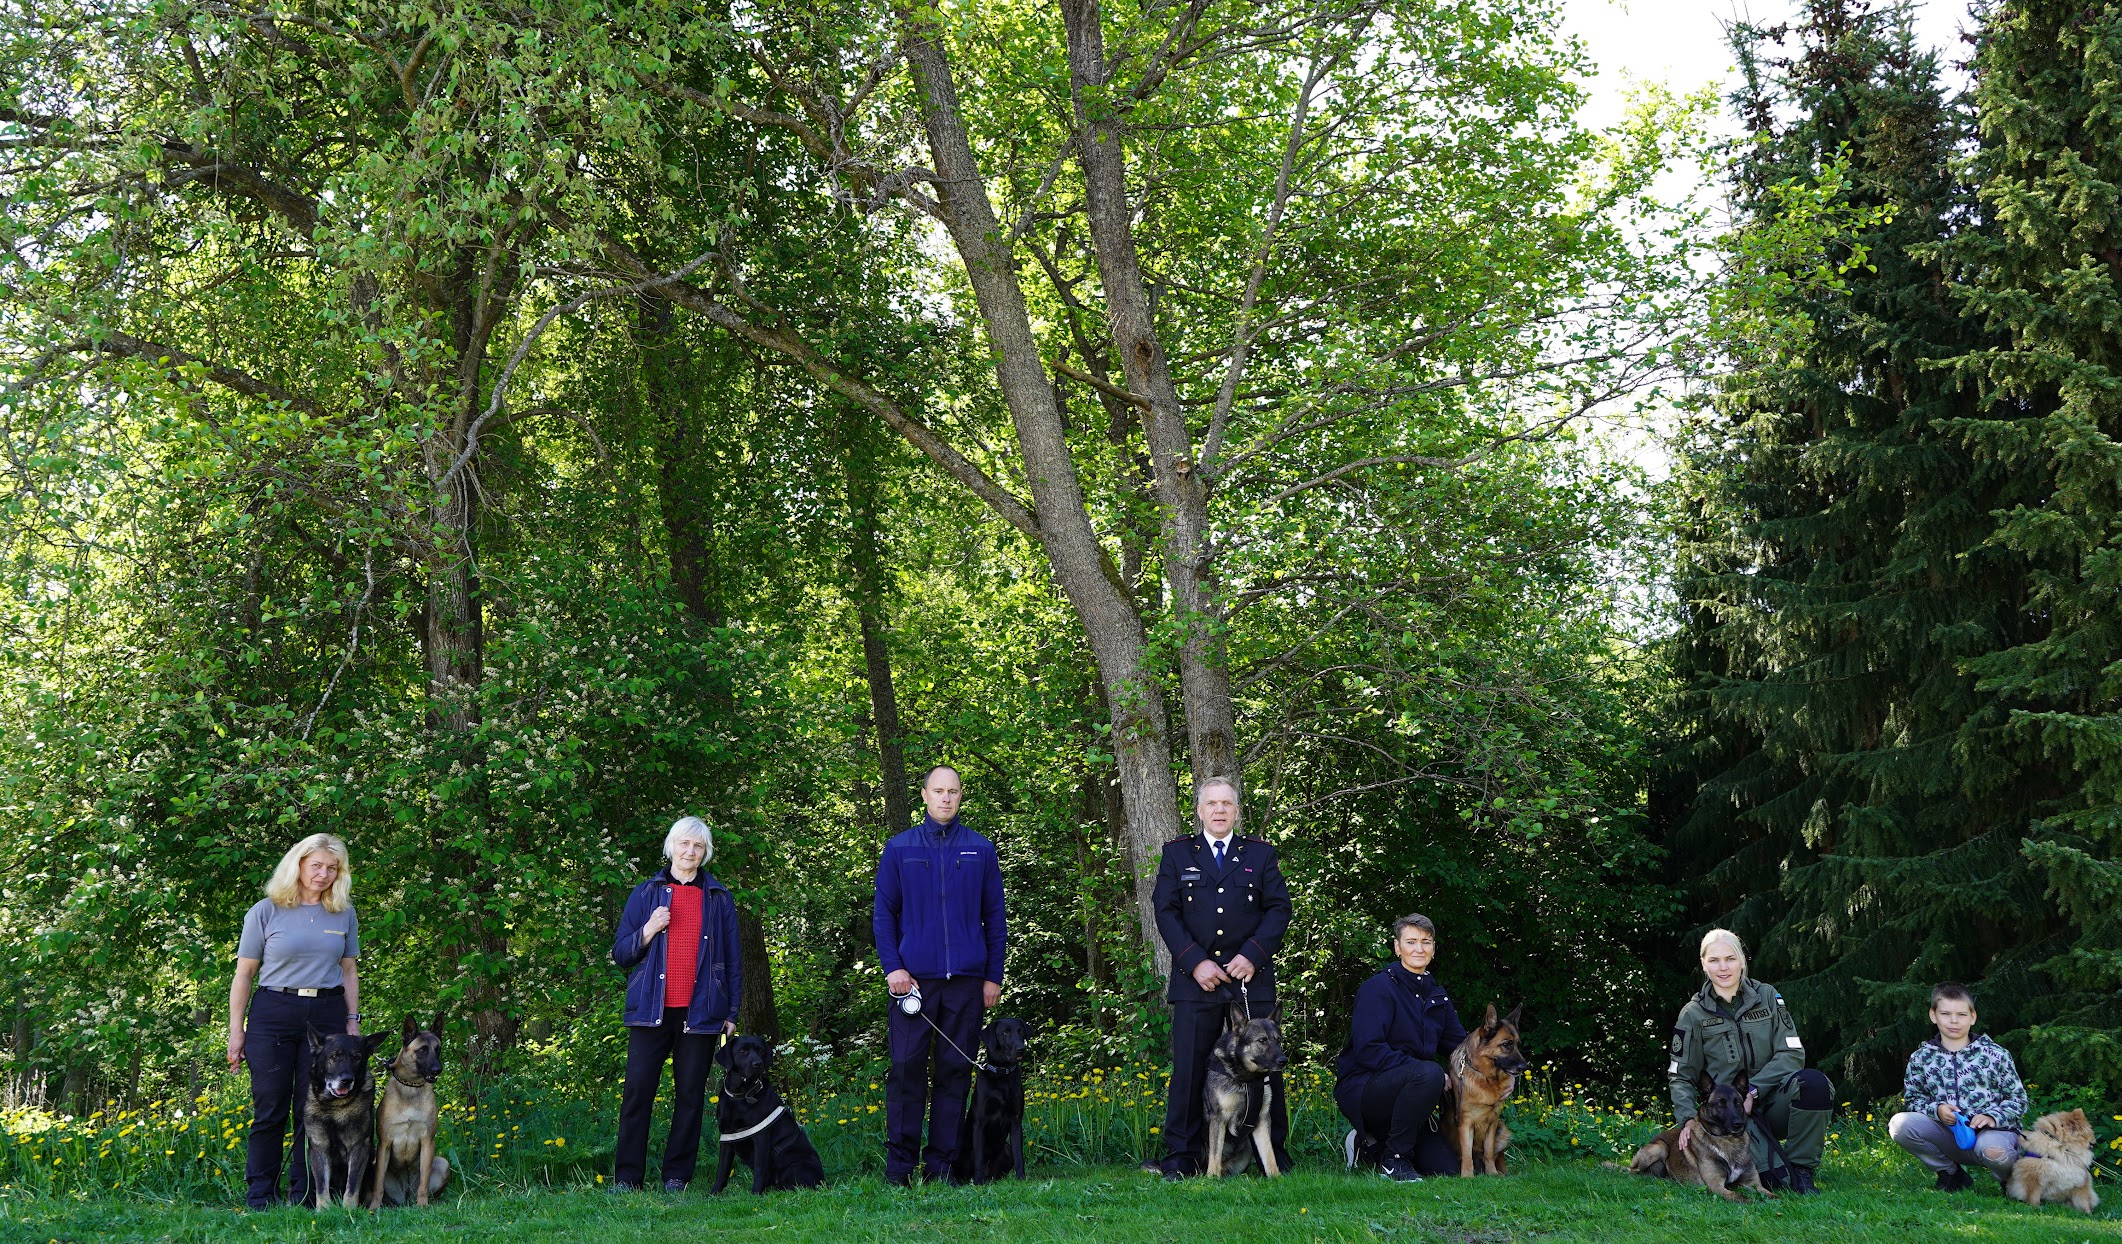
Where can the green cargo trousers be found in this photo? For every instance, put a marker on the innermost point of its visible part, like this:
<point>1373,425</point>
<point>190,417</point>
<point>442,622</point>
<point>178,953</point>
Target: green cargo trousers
<point>1798,1112</point>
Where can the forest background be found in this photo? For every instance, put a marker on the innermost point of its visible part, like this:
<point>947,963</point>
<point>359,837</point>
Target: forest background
<point>488,431</point>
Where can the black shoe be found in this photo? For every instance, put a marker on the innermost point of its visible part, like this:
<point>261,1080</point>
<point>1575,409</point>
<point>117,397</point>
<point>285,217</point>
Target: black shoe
<point>1775,1179</point>
<point>1801,1181</point>
<point>674,1185</point>
<point>1955,1180</point>
<point>620,1185</point>
<point>1399,1171</point>
<point>901,1179</point>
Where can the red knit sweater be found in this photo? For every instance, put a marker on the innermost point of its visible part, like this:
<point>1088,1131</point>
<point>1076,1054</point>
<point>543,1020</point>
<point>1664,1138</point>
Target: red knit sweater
<point>682,951</point>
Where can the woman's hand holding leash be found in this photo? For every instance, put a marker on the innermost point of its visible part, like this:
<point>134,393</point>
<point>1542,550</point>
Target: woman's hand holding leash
<point>658,920</point>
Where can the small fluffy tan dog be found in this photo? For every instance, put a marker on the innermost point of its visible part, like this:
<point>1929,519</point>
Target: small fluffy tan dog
<point>2058,1165</point>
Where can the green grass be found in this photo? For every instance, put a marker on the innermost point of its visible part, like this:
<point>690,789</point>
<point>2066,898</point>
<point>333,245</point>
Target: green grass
<point>1885,1201</point>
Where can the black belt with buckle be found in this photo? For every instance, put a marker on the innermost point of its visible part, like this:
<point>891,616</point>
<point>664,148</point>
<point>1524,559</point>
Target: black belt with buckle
<point>333,992</point>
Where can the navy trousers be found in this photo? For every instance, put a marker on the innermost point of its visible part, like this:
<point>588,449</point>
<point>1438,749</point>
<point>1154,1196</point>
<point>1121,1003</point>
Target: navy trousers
<point>276,1047</point>
<point>1195,1027</point>
<point>1398,1108</point>
<point>930,1078</point>
<point>691,1056</point>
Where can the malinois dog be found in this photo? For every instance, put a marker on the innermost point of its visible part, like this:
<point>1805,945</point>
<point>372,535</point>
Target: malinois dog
<point>1717,1155</point>
<point>991,1139</point>
<point>339,1115</point>
<point>1484,1070</point>
<point>408,1119</point>
<point>1236,1096</point>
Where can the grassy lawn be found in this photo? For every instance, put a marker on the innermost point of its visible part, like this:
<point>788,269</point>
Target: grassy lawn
<point>1563,1201</point>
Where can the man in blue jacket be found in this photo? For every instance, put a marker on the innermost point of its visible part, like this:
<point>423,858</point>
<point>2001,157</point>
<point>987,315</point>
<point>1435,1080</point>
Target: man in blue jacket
<point>940,932</point>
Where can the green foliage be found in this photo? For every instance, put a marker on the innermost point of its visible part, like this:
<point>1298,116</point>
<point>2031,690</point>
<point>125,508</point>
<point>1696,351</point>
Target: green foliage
<point>1876,665</point>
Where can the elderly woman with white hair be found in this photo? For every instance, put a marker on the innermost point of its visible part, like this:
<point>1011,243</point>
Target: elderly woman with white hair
<point>677,943</point>
<point>1734,1027</point>
<point>298,946</point>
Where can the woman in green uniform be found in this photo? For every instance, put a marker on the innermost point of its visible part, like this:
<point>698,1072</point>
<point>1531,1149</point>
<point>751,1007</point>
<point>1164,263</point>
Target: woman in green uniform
<point>1736,1026</point>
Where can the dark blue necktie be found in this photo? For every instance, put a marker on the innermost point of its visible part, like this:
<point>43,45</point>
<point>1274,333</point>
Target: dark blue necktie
<point>1219,853</point>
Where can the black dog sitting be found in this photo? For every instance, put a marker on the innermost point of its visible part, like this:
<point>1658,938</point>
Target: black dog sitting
<point>757,1125</point>
<point>991,1140</point>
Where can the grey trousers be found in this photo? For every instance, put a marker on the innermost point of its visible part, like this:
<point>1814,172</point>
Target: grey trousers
<point>1932,1143</point>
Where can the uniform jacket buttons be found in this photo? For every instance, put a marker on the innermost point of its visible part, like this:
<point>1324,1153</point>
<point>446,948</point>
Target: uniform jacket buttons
<point>1219,911</point>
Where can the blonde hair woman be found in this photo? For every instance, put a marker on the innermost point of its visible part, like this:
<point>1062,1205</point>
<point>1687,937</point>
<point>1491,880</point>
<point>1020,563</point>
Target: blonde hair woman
<point>1735,1028</point>
<point>298,946</point>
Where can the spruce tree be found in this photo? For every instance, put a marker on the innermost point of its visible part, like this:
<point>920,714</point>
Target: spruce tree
<point>1861,800</point>
<point>2046,279</point>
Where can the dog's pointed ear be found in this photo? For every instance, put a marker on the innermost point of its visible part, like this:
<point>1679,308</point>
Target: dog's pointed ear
<point>1739,1082</point>
<point>436,1027</point>
<point>1705,1085</point>
<point>1276,1014</point>
<point>1236,1017</point>
<point>316,1040</point>
<point>1488,1021</point>
<point>722,1056</point>
<point>410,1030</point>
<point>373,1042</point>
<point>1512,1018</point>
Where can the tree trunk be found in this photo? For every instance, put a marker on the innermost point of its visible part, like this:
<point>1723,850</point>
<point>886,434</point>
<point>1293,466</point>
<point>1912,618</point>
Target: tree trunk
<point>1080,564</point>
<point>1182,495</point>
<point>866,561</point>
<point>756,1015</point>
<point>688,525</point>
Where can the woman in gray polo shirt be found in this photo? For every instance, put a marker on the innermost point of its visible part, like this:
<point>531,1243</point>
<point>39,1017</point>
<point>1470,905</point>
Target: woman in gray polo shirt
<point>299,944</point>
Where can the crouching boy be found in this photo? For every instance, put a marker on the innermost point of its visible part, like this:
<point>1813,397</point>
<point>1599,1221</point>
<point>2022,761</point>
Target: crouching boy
<point>1953,1078</point>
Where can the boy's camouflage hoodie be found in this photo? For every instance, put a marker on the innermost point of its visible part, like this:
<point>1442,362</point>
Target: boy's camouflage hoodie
<point>1980,1079</point>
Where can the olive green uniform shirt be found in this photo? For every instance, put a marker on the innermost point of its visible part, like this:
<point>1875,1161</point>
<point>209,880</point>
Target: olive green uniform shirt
<point>1753,1033</point>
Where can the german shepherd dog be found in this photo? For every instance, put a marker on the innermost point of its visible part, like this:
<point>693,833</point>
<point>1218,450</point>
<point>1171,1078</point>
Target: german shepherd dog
<point>1483,1071</point>
<point>407,1119</point>
<point>991,1141</point>
<point>1718,1155</point>
<point>339,1115</point>
<point>757,1125</point>
<point>2058,1162</point>
<point>1236,1095</point>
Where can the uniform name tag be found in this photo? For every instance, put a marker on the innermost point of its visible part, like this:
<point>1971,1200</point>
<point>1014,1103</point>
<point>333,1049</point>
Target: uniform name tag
<point>1794,1043</point>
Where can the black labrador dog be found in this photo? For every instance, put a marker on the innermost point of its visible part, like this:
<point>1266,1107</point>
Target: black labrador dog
<point>339,1116</point>
<point>756,1124</point>
<point>991,1140</point>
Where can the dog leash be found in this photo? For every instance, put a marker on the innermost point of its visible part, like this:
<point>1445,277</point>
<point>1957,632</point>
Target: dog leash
<point>754,1129</point>
<point>979,1064</point>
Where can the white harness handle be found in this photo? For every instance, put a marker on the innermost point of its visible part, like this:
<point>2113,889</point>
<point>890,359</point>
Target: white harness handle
<point>755,1128</point>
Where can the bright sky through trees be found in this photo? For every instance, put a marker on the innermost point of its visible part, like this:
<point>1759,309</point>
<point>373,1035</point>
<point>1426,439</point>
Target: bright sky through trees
<point>1681,42</point>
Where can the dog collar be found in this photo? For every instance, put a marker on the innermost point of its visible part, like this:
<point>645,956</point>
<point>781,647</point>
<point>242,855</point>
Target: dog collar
<point>756,1127</point>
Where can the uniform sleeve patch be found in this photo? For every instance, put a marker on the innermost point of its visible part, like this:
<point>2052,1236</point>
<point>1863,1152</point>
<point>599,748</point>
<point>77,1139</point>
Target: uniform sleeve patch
<point>1794,1043</point>
<point>1673,1068</point>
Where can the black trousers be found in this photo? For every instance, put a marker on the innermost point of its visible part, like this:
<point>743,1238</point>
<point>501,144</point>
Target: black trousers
<point>276,1047</point>
<point>691,1056</point>
<point>930,1078</point>
<point>1195,1027</point>
<point>1399,1107</point>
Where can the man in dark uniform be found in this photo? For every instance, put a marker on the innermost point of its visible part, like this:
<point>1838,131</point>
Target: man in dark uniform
<point>1222,908</point>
